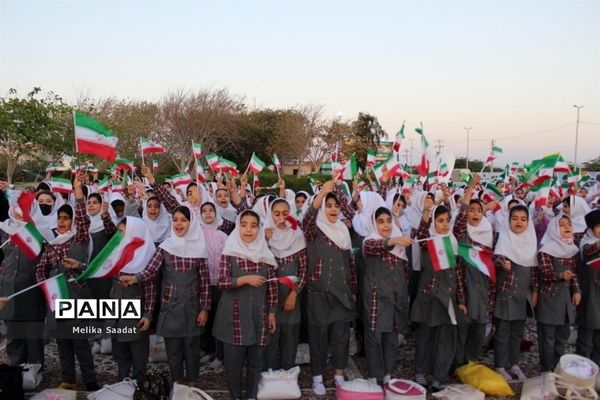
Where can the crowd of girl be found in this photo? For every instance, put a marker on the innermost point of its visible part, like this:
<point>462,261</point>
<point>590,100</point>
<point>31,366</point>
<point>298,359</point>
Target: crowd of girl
<point>214,252</point>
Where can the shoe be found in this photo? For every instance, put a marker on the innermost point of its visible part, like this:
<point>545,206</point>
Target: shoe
<point>205,358</point>
<point>96,348</point>
<point>318,387</point>
<point>92,387</point>
<point>516,370</point>
<point>435,386</point>
<point>504,374</point>
<point>339,379</point>
<point>216,363</point>
<point>66,386</point>
<point>386,379</point>
<point>421,380</point>
<point>105,346</point>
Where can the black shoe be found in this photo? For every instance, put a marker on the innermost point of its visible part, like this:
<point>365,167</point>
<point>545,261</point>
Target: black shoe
<point>92,387</point>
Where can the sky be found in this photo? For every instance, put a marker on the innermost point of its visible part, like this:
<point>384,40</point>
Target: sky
<point>509,69</point>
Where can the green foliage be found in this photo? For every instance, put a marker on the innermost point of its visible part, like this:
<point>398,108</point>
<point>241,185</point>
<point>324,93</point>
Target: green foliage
<point>592,165</point>
<point>367,133</point>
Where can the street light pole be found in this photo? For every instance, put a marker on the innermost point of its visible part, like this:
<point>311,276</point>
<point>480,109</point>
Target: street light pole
<point>576,133</point>
<point>468,131</point>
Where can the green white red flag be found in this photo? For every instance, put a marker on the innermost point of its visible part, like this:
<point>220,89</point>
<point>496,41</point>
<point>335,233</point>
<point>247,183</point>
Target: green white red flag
<point>276,162</point>
<point>256,165</point>
<point>478,258</point>
<point>148,147</point>
<point>398,139</point>
<point>91,137</point>
<point>371,158</point>
<point>348,170</point>
<point>213,162</point>
<point>181,180</point>
<point>493,154</point>
<point>61,185</point>
<point>55,288</point>
<point>442,253</point>
<point>196,150</point>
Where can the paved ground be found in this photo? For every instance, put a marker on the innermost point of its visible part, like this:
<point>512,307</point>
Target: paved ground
<point>214,381</point>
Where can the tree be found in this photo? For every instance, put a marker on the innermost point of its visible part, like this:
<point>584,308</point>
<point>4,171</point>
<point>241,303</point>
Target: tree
<point>366,134</point>
<point>474,165</point>
<point>592,165</point>
<point>35,126</point>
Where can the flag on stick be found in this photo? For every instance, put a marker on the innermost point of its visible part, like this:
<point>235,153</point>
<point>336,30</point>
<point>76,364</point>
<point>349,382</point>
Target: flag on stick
<point>91,137</point>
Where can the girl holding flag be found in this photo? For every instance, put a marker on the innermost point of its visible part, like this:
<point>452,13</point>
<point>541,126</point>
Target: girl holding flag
<point>246,313</point>
<point>66,254</point>
<point>471,226</point>
<point>286,241</point>
<point>439,292</point>
<point>384,293</point>
<point>559,290</point>
<point>516,288</point>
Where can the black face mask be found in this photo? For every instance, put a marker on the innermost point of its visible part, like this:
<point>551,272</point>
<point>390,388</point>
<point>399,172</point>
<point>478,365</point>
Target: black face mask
<point>45,209</point>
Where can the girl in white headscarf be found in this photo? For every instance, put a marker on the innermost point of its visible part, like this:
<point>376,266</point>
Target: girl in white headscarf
<point>246,314</point>
<point>385,293</point>
<point>559,290</point>
<point>157,219</point>
<point>515,257</point>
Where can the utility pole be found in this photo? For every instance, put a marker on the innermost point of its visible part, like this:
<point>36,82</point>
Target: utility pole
<point>491,150</point>
<point>411,151</point>
<point>576,133</point>
<point>468,132</point>
<point>406,152</point>
<point>439,146</point>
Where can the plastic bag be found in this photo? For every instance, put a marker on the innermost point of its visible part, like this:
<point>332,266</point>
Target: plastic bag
<point>280,384</point>
<point>484,379</point>
<point>459,392</point>
<point>32,376</point>
<point>541,387</point>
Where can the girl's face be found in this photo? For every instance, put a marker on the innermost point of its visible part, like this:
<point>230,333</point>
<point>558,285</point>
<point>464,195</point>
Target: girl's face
<point>332,210</point>
<point>193,195</point>
<point>45,199</point>
<point>181,224</point>
<point>566,206</point>
<point>248,228</point>
<point>93,206</point>
<point>222,198</point>
<point>300,200</point>
<point>64,223</point>
<point>397,206</point>
<point>442,223</point>
<point>208,214</point>
<point>153,209</point>
<point>475,214</point>
<point>519,220</point>
<point>565,228</point>
<point>596,231</point>
<point>384,225</point>
<point>279,211</point>
<point>582,192</point>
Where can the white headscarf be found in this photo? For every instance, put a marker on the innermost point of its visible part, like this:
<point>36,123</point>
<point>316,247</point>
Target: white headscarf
<point>482,233</point>
<point>520,248</point>
<point>587,239</point>
<point>336,231</point>
<point>190,245</point>
<point>257,251</point>
<point>136,228</point>
<point>434,233</point>
<point>397,250</point>
<point>261,207</point>
<point>215,242</point>
<point>414,213</point>
<point>46,223</point>
<point>160,228</point>
<point>552,243</point>
<point>370,201</point>
<point>228,212</point>
<point>578,209</point>
<point>287,241</point>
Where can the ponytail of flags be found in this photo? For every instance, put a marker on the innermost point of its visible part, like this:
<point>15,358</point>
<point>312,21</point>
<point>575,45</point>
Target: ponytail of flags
<point>91,137</point>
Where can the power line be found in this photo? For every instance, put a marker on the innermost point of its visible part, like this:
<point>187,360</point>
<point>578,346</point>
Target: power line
<point>589,123</point>
<point>524,135</point>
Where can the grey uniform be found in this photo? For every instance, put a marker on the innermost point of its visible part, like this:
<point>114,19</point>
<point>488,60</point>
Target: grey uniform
<point>588,313</point>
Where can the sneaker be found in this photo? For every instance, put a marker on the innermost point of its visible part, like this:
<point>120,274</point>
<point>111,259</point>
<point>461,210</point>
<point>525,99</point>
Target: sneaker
<point>96,348</point>
<point>105,346</point>
<point>92,387</point>
<point>205,358</point>
<point>372,380</point>
<point>516,370</point>
<point>318,387</point>
<point>66,386</point>
<point>339,379</point>
<point>386,379</point>
<point>436,386</point>
<point>421,379</point>
<point>504,374</point>
<point>216,363</point>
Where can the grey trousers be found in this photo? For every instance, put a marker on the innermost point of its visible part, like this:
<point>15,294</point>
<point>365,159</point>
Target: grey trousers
<point>180,350</point>
<point>434,350</point>
<point>281,351</point>
<point>234,362</point>
<point>551,342</point>
<point>381,351</point>
<point>337,337</point>
<point>471,336</point>
<point>507,342</point>
<point>22,349</point>
<point>131,354</point>
<point>588,344</point>
<point>67,350</point>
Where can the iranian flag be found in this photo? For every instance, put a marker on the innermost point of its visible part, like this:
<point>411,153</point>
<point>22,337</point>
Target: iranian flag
<point>61,185</point>
<point>478,258</point>
<point>200,175</point>
<point>125,164</point>
<point>398,139</point>
<point>276,162</point>
<point>255,182</point>
<point>493,154</point>
<point>256,165</point>
<point>104,185</point>
<point>114,256</point>
<point>228,166</point>
<point>93,138</point>
<point>196,150</point>
<point>149,147</point>
<point>348,170</point>
<point>371,158</point>
<point>423,166</point>
<point>542,192</point>
<point>154,166</point>
<point>29,240</point>
<point>55,288</point>
<point>441,253</point>
<point>290,281</point>
<point>181,180</point>
<point>595,263</point>
<point>213,162</point>
<point>408,184</point>
<point>25,203</point>
<point>492,193</point>
<point>336,153</point>
<point>116,187</point>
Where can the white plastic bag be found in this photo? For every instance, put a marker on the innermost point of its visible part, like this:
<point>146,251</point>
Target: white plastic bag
<point>56,394</point>
<point>158,352</point>
<point>119,391</point>
<point>280,384</point>
<point>183,392</point>
<point>541,387</point>
<point>32,376</point>
<point>459,392</point>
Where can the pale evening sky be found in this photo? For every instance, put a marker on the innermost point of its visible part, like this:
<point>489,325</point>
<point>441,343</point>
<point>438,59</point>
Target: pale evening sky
<point>504,68</point>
